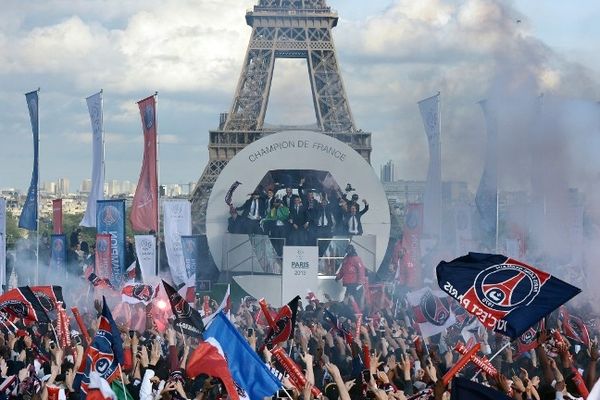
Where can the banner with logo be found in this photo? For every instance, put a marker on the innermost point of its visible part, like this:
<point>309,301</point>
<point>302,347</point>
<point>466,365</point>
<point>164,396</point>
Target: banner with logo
<point>300,270</point>
<point>191,246</point>
<point>144,210</point>
<point>103,256</point>
<point>486,197</point>
<point>506,295</point>
<point>110,219</point>
<point>409,266</point>
<point>2,242</point>
<point>29,214</point>
<point>57,217</point>
<point>94,104</point>
<point>58,253</point>
<point>432,199</point>
<point>177,223</point>
<point>145,248</point>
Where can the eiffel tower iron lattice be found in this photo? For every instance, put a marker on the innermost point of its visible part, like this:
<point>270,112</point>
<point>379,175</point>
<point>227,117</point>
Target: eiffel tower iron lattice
<point>298,29</point>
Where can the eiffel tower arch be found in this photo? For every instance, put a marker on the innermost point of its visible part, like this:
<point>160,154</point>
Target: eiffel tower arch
<point>298,29</point>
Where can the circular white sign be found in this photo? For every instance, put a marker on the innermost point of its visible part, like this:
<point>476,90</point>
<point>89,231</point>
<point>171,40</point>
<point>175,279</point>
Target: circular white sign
<point>299,150</point>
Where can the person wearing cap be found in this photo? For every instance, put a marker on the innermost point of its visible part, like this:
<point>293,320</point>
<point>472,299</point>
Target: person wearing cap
<point>252,211</point>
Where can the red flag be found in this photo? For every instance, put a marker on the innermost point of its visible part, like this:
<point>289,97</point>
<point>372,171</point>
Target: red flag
<point>573,327</point>
<point>57,214</point>
<point>22,303</point>
<point>50,297</point>
<point>284,324</point>
<point>144,210</point>
<point>103,257</point>
<point>208,358</point>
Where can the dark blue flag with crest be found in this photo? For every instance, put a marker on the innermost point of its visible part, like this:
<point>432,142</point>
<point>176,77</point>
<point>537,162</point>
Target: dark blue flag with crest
<point>506,295</point>
<point>463,388</point>
<point>29,215</point>
<point>104,354</point>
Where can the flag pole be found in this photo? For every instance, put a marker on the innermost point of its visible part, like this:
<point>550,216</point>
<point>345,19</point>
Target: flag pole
<point>37,222</point>
<point>157,268</point>
<point>490,359</point>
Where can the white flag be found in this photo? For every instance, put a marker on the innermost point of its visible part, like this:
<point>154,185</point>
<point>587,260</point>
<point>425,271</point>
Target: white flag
<point>94,104</point>
<point>177,223</point>
<point>2,242</point>
<point>432,202</point>
<point>145,248</point>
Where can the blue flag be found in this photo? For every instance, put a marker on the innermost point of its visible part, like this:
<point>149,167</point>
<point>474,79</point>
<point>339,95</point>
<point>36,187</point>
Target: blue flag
<point>463,388</point>
<point>247,369</point>
<point>190,246</point>
<point>506,295</point>
<point>29,215</point>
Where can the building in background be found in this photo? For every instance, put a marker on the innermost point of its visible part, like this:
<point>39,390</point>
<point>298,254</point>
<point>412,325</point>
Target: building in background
<point>386,173</point>
<point>62,187</point>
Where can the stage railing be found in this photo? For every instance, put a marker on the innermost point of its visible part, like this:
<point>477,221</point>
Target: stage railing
<point>259,254</point>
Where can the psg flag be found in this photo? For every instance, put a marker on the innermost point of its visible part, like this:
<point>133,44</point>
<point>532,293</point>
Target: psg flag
<point>285,322</point>
<point>22,303</point>
<point>187,319</point>
<point>506,295</point>
<point>104,354</point>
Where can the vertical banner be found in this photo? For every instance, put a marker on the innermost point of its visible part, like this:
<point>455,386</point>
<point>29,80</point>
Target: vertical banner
<point>2,242</point>
<point>191,246</point>
<point>409,269</point>
<point>300,271</point>
<point>462,224</point>
<point>177,223</point>
<point>58,253</point>
<point>486,198</point>
<point>94,104</point>
<point>144,210</point>
<point>145,248</point>
<point>103,256</point>
<point>57,217</point>
<point>110,219</point>
<point>432,208</point>
<point>29,214</point>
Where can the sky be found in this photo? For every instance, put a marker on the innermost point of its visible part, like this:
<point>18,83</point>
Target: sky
<point>392,54</point>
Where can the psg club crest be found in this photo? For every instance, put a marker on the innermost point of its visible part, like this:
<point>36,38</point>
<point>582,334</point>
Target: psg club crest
<point>148,117</point>
<point>412,219</point>
<point>504,287</point>
<point>110,215</point>
<point>44,300</point>
<point>58,245</point>
<point>102,245</point>
<point>435,310</point>
<point>529,336</point>
<point>16,307</point>
<point>182,309</point>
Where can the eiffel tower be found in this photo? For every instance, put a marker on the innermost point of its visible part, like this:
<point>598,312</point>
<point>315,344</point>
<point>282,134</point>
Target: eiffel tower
<point>299,29</point>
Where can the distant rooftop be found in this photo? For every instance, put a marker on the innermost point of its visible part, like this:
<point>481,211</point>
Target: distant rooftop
<point>293,5</point>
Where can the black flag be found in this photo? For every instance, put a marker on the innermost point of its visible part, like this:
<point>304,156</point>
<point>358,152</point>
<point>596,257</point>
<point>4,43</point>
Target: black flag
<point>285,322</point>
<point>187,319</point>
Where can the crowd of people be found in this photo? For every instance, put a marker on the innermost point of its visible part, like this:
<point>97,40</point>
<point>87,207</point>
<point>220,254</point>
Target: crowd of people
<point>298,215</point>
<point>374,350</point>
